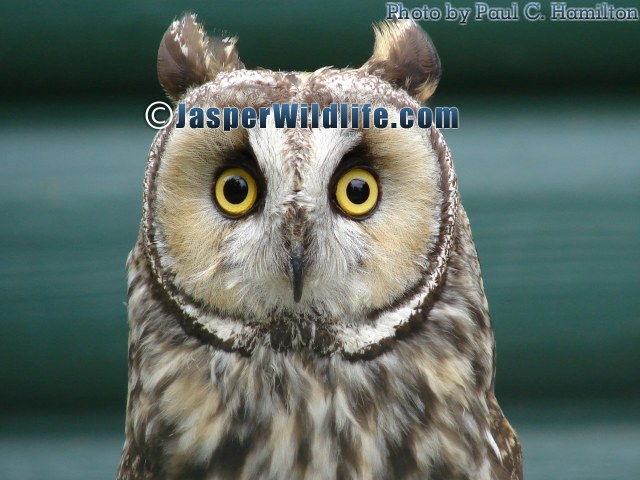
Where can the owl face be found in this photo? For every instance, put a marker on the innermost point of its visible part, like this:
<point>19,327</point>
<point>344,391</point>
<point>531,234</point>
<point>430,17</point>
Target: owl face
<point>271,228</point>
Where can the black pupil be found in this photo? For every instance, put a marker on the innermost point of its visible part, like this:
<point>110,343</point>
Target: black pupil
<point>235,189</point>
<point>358,191</point>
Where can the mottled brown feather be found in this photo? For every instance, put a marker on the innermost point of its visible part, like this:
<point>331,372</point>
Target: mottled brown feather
<point>507,440</point>
<point>187,57</point>
<point>404,56</point>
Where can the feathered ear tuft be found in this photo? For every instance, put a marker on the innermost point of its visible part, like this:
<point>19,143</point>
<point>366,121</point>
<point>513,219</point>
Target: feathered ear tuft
<point>404,56</point>
<point>188,57</point>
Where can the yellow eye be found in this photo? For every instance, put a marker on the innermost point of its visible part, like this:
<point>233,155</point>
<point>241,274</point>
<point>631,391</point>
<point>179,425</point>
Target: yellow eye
<point>357,192</point>
<point>236,191</point>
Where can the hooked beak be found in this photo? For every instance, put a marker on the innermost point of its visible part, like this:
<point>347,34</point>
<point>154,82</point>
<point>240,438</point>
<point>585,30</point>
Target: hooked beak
<point>296,270</point>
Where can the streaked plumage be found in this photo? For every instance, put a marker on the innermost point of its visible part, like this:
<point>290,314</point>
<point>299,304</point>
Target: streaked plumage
<point>384,367</point>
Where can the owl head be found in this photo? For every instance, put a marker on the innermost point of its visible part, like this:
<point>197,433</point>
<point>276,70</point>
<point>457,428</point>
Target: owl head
<point>319,238</point>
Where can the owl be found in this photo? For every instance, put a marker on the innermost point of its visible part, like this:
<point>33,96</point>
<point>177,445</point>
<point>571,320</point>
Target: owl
<point>307,303</point>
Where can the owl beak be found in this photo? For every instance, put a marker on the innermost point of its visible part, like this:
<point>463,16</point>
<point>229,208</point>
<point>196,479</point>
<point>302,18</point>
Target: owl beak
<point>296,271</point>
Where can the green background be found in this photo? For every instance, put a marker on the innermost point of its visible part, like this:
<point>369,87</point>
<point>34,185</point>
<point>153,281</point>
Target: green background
<point>549,166</point>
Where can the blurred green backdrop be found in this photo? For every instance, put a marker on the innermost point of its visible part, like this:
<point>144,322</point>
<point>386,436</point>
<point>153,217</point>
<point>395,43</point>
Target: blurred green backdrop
<point>548,159</point>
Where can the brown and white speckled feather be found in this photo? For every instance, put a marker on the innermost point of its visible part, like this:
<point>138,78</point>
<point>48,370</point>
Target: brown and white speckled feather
<point>405,56</point>
<point>385,367</point>
<point>188,57</point>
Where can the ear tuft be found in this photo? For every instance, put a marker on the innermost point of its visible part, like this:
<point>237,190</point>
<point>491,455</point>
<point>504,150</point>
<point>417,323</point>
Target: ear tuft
<point>188,57</point>
<point>404,56</point>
